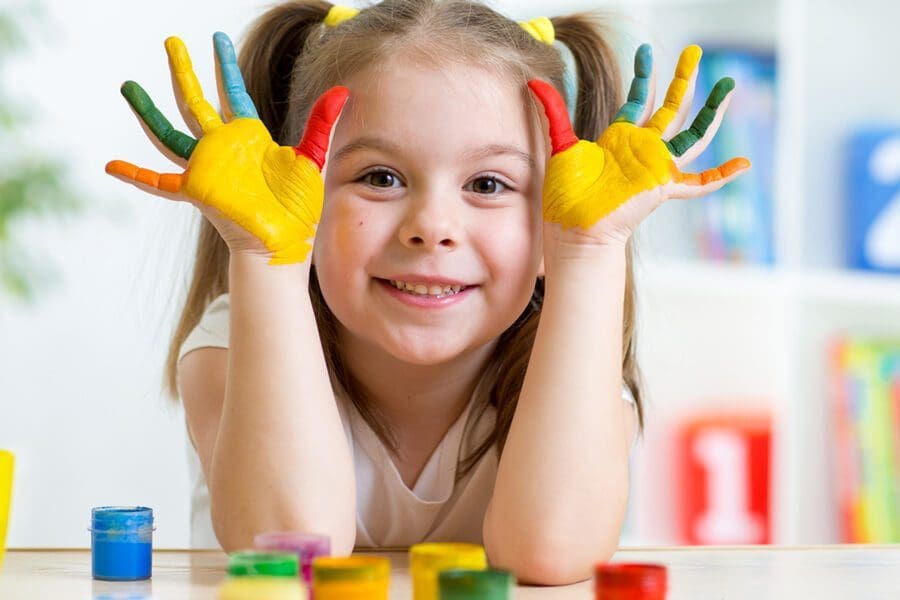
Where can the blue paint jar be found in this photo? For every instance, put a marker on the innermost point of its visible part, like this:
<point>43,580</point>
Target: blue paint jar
<point>121,542</point>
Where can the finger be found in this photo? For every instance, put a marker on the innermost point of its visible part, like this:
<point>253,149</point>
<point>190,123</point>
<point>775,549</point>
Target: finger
<point>684,81</point>
<point>314,143</point>
<point>236,102</point>
<point>689,144</point>
<point>636,105</point>
<point>692,185</point>
<point>161,182</point>
<point>561,134</point>
<point>188,87</point>
<point>176,145</point>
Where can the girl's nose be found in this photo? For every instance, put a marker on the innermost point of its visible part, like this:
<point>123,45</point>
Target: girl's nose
<point>431,220</point>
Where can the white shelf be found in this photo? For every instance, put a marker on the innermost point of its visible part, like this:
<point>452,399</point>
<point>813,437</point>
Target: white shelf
<point>742,333</point>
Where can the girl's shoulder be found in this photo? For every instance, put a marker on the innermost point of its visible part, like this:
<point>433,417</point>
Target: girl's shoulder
<point>212,329</point>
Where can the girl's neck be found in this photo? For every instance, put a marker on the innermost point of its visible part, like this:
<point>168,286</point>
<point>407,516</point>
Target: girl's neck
<point>426,398</point>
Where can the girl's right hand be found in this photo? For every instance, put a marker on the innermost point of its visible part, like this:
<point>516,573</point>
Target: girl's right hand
<point>261,197</point>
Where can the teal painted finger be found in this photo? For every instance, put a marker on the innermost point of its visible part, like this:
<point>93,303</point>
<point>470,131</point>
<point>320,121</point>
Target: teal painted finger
<point>632,110</point>
<point>682,142</point>
<point>180,143</point>
<point>232,80</point>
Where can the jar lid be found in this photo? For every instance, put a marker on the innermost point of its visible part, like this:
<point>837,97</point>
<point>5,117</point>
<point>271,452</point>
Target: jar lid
<point>350,568</point>
<point>487,584</point>
<point>441,555</point>
<point>630,576</point>
<point>306,545</point>
<point>255,562</point>
<point>121,518</point>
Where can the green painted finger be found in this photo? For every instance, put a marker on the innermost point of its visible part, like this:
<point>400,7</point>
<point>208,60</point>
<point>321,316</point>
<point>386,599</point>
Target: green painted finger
<point>179,143</point>
<point>682,142</point>
<point>632,110</point>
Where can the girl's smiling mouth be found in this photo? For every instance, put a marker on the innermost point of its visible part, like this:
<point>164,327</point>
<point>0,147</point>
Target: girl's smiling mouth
<point>425,296</point>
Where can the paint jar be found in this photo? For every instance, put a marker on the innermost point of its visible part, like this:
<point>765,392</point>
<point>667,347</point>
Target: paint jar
<point>307,547</point>
<point>468,584</point>
<point>630,581</point>
<point>7,461</point>
<point>427,560</point>
<point>262,587</point>
<point>121,542</point>
<point>257,562</point>
<point>351,578</point>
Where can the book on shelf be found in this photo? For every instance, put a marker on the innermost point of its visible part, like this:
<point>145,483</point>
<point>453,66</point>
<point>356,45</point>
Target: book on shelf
<point>735,223</point>
<point>872,199</point>
<point>865,377</point>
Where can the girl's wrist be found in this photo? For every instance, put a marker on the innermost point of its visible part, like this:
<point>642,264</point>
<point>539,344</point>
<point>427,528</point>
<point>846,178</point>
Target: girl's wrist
<point>251,262</point>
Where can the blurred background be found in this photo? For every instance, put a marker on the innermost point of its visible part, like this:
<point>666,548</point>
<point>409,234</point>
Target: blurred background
<point>769,313</point>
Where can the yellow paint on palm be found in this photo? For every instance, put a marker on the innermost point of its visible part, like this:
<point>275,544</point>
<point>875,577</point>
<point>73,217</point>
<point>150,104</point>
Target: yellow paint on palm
<point>183,71</point>
<point>624,162</point>
<point>265,188</point>
<point>687,65</point>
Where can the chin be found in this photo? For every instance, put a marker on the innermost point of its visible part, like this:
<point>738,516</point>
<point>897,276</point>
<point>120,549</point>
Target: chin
<point>424,354</point>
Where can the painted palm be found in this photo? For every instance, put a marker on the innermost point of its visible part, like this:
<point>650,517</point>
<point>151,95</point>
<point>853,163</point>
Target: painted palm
<point>273,192</point>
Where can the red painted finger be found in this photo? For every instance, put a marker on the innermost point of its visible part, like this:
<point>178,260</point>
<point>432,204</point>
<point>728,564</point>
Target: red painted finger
<point>167,182</point>
<point>561,134</point>
<point>314,144</point>
<point>723,171</point>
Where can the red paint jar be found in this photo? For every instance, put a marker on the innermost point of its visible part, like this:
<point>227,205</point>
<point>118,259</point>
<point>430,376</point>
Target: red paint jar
<point>630,581</point>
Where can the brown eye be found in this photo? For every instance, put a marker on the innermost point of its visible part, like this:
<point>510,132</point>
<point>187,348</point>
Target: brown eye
<point>487,185</point>
<point>380,179</point>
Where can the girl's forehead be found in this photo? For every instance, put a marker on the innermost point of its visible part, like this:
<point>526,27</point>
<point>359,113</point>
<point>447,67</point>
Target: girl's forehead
<point>408,96</point>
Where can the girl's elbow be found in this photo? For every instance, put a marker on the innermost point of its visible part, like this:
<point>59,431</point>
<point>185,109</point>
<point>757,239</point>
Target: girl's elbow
<point>553,562</point>
<point>238,534</point>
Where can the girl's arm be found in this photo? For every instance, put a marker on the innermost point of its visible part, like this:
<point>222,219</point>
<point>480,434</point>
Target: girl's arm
<point>269,437</point>
<point>562,483</point>
<point>280,459</point>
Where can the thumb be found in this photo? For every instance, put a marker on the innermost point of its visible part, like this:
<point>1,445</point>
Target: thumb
<point>314,143</point>
<point>561,134</point>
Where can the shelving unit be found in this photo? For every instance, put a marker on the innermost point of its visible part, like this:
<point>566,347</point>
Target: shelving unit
<point>744,337</point>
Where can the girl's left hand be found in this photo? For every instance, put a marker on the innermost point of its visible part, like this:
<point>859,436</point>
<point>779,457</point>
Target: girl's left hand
<point>598,192</point>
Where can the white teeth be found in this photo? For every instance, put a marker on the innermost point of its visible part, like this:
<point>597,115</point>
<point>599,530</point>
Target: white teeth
<point>422,289</point>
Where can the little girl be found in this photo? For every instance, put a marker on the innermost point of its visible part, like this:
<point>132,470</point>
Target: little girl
<point>418,324</point>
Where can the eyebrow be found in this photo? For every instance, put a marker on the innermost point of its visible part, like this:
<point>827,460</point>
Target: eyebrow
<point>375,143</point>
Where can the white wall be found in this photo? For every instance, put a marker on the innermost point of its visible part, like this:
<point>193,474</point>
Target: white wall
<point>80,374</point>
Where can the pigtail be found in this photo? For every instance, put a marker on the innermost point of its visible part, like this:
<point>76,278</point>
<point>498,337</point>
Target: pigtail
<point>269,53</point>
<point>599,92</point>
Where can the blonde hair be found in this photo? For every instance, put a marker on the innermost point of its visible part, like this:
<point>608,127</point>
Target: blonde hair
<point>289,58</point>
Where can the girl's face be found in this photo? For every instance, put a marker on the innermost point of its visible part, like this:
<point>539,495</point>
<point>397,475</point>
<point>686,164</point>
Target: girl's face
<point>432,176</point>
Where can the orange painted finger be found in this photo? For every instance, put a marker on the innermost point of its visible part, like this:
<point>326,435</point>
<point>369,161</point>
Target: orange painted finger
<point>561,135</point>
<point>723,171</point>
<point>167,182</point>
<point>314,143</point>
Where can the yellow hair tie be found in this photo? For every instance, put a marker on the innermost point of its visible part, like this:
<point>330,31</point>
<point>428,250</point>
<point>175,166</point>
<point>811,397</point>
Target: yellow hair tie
<point>541,29</point>
<point>337,14</point>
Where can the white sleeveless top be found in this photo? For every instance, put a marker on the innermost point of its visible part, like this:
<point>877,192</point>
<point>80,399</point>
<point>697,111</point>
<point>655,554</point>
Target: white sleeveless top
<point>389,514</point>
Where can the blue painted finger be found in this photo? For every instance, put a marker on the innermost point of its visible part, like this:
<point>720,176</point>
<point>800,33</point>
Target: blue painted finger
<point>632,110</point>
<point>232,80</point>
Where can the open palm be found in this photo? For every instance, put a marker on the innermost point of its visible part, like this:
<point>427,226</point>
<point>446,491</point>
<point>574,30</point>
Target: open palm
<point>599,191</point>
<point>252,189</point>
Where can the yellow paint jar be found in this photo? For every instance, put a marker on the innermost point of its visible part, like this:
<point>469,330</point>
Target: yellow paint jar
<point>427,560</point>
<point>351,578</point>
<point>6,484</point>
<point>262,587</point>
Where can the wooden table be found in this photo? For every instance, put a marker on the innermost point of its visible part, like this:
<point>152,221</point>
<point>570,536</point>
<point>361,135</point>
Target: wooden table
<point>715,573</point>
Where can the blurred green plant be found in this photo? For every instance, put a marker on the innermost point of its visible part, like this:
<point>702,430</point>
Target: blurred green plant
<point>33,185</point>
